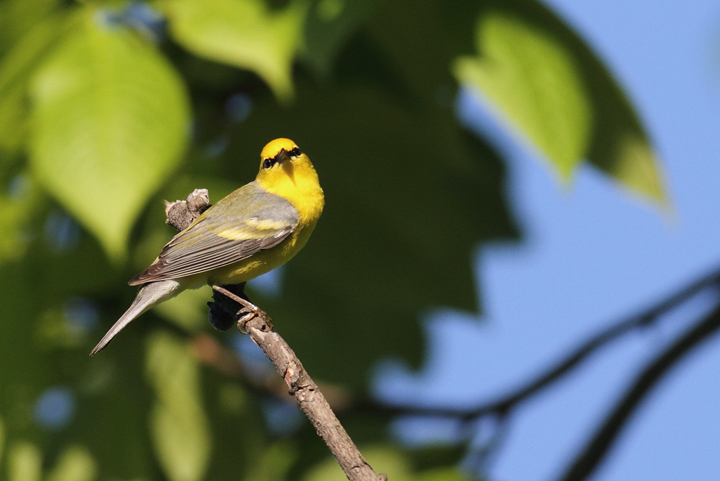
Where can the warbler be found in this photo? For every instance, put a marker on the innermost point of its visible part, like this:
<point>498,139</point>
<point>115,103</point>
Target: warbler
<point>255,229</point>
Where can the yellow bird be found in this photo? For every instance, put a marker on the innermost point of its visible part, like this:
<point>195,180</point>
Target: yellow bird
<point>255,229</point>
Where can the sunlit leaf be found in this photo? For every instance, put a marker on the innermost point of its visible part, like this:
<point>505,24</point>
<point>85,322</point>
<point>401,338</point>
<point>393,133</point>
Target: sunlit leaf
<point>533,80</point>
<point>74,464</point>
<point>15,69</point>
<point>24,462</point>
<point>178,422</point>
<point>244,33</point>
<point>110,121</point>
<point>547,82</point>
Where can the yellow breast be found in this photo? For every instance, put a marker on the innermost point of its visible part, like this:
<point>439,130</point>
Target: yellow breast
<point>263,261</point>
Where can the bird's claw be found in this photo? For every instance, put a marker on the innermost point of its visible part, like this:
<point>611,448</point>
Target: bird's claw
<point>248,313</point>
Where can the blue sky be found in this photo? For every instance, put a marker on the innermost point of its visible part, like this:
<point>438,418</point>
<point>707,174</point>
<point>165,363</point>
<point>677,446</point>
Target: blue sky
<point>593,254</point>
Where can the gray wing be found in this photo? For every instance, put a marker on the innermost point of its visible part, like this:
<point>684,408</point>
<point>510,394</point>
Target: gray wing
<point>240,225</point>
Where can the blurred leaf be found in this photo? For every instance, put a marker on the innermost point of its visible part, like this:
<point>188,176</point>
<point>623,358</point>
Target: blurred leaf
<point>30,373</point>
<point>442,474</point>
<point>188,310</point>
<point>239,428</point>
<point>383,459</point>
<point>16,210</point>
<point>394,462</point>
<point>110,122</point>
<point>243,33</point>
<point>329,25</point>
<point>274,464</point>
<point>178,422</point>
<point>552,87</point>
<point>24,462</point>
<point>2,440</point>
<point>531,77</point>
<point>74,464</point>
<point>114,405</point>
<point>432,456</point>
<point>409,197</point>
<point>15,70</point>
<point>19,16</point>
<point>628,157</point>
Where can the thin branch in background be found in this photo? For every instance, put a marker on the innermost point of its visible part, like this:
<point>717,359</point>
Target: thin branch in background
<point>212,353</point>
<point>597,448</point>
<point>572,360</point>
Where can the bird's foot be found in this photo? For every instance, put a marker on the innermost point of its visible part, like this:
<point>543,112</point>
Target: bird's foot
<point>223,310</point>
<point>250,312</point>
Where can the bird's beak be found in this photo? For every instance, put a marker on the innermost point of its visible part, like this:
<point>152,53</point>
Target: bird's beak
<point>282,155</point>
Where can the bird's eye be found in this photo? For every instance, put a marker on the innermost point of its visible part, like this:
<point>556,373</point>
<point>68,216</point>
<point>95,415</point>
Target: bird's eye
<point>267,163</point>
<point>295,152</point>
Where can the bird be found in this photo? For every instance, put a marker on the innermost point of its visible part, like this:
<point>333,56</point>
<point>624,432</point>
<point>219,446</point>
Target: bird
<point>253,230</point>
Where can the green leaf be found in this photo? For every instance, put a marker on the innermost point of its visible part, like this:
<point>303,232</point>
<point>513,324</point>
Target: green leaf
<point>24,462</point>
<point>2,440</point>
<point>533,80</point>
<point>274,464</point>
<point>110,122</point>
<point>15,70</point>
<point>410,197</point>
<point>329,25</point>
<point>442,474</point>
<point>548,83</point>
<point>178,422</point>
<point>244,33</point>
<point>189,310</point>
<point>17,17</point>
<point>383,459</point>
<point>16,210</point>
<point>75,464</point>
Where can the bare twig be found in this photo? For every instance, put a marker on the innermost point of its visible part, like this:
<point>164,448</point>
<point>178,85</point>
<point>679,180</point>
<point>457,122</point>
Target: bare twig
<point>570,361</point>
<point>257,324</point>
<point>305,392</point>
<point>597,448</point>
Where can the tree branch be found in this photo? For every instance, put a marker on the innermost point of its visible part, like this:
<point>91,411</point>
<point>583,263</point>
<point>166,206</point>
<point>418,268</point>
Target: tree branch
<point>570,361</point>
<point>304,390</point>
<point>597,448</point>
<point>180,214</point>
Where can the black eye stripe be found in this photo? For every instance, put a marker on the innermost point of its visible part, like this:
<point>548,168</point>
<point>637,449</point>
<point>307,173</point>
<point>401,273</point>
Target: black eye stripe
<point>270,161</point>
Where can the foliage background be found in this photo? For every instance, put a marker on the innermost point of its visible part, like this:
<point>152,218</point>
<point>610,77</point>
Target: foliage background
<point>106,108</point>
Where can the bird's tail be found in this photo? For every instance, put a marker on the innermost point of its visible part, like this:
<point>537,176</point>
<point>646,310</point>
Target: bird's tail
<point>148,295</point>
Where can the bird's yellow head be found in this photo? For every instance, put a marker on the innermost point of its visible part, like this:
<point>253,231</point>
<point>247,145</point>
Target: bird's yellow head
<point>286,171</point>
